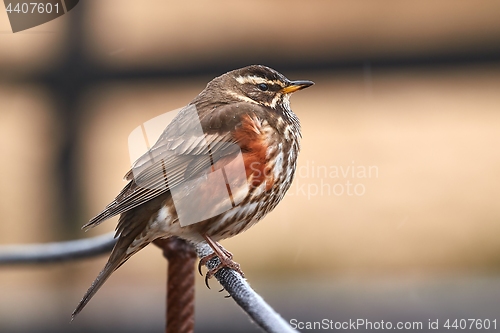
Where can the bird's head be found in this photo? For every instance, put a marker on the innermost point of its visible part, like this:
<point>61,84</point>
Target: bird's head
<point>259,85</point>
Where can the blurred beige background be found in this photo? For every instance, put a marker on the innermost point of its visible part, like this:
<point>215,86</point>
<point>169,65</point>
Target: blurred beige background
<point>429,134</point>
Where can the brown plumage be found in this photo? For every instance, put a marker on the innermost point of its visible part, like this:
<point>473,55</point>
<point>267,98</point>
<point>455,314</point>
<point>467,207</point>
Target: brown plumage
<point>241,121</point>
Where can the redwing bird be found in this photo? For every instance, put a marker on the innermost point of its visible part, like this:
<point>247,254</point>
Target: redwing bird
<point>222,164</point>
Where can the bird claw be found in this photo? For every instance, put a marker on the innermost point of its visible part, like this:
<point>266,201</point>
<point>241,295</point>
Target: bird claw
<point>225,261</point>
<point>208,276</point>
<point>204,260</point>
<point>229,263</point>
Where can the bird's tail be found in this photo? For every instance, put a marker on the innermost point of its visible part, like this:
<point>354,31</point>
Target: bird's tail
<point>118,257</point>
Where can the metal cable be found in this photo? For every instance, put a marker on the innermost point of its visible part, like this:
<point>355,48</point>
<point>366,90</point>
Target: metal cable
<point>251,302</point>
<point>179,271</point>
<point>57,251</point>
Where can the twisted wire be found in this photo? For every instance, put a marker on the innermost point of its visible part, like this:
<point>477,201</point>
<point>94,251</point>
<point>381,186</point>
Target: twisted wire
<point>181,258</point>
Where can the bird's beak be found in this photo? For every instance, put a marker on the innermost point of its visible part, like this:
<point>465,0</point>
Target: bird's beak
<point>293,86</point>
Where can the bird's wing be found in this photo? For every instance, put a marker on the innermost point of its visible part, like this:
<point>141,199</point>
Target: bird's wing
<point>187,148</point>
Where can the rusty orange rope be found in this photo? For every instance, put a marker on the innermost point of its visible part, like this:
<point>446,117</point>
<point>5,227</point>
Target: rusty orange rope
<point>181,258</point>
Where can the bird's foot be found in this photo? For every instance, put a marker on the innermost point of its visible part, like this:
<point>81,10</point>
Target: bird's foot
<point>225,257</point>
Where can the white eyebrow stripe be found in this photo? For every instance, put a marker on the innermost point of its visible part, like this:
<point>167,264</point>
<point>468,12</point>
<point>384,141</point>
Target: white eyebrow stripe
<point>257,80</point>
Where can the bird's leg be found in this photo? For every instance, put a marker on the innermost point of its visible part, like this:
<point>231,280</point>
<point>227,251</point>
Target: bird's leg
<point>225,257</point>
<point>217,248</point>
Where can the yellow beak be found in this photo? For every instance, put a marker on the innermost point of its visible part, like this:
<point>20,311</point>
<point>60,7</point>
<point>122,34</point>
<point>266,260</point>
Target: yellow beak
<point>296,85</point>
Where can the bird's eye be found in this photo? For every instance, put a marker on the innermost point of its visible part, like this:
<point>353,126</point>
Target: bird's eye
<point>263,87</point>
